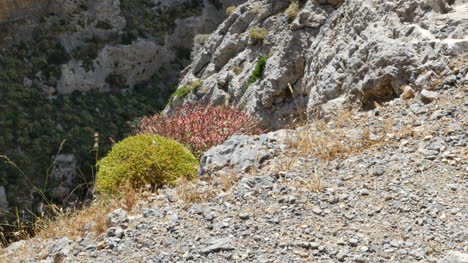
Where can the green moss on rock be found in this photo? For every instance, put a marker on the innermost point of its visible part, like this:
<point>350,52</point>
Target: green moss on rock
<point>185,90</point>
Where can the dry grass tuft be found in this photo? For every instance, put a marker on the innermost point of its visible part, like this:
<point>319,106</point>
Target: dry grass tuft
<point>292,10</point>
<point>230,10</point>
<point>72,223</point>
<point>190,192</point>
<point>314,183</point>
<point>258,33</point>
<point>336,139</point>
<point>256,9</point>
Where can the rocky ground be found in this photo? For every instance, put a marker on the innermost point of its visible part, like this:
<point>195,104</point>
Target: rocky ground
<point>383,185</point>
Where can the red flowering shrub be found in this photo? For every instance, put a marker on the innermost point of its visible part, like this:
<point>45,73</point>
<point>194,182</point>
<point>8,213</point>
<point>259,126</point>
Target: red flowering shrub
<point>200,127</point>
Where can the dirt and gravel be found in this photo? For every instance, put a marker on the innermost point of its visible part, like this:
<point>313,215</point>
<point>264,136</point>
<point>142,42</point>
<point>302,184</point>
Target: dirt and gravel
<point>382,185</point>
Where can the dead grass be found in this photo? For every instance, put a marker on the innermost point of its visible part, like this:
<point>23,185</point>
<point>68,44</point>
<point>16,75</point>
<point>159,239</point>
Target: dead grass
<point>314,182</point>
<point>339,138</point>
<point>292,10</point>
<point>71,223</point>
<point>256,9</point>
<point>230,10</point>
<point>190,192</point>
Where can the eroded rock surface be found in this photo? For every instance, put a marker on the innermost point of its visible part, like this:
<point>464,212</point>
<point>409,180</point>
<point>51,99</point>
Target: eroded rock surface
<point>356,51</point>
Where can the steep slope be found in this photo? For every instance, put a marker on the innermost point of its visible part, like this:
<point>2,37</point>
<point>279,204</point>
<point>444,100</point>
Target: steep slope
<point>395,191</point>
<point>328,51</point>
<point>74,75</point>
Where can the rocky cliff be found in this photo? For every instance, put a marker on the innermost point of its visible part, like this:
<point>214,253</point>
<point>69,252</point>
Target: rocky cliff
<point>382,181</point>
<point>322,54</point>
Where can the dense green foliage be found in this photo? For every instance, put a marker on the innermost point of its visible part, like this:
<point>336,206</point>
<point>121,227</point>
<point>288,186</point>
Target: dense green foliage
<point>145,159</point>
<point>34,119</point>
<point>33,125</point>
<point>257,72</point>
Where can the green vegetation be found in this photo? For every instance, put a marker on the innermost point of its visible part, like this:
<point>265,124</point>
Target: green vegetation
<point>292,10</point>
<point>145,159</point>
<point>257,72</point>
<point>33,125</point>
<point>185,90</point>
<point>258,33</point>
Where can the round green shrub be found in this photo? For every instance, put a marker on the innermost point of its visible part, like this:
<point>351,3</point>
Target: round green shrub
<point>145,159</point>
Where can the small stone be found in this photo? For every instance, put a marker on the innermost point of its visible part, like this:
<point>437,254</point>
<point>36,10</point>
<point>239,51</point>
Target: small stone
<point>418,254</point>
<point>450,80</point>
<point>209,217</point>
<point>218,245</point>
<point>427,96</point>
<point>378,171</point>
<point>452,187</point>
<point>111,232</point>
<point>341,242</point>
<point>353,242</point>
<point>101,245</point>
<point>364,249</point>
<point>119,233</point>
<point>117,218</point>
<point>303,244</point>
<point>349,216</point>
<point>301,253</point>
<point>149,212</point>
<point>244,216</point>
<point>174,218</point>
<point>394,243</point>
<point>364,192</point>
<point>407,92</point>
<point>188,256</point>
<point>314,245</point>
<point>317,210</point>
<point>342,254</point>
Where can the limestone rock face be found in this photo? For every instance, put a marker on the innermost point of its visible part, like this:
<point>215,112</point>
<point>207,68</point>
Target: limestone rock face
<point>100,39</point>
<point>355,50</point>
<point>136,62</point>
<point>140,60</point>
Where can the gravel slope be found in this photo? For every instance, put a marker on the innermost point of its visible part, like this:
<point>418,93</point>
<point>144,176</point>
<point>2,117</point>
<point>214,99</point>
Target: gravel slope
<point>403,199</point>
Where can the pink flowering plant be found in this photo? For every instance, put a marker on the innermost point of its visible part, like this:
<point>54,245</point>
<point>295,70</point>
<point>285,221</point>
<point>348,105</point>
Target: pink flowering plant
<point>200,127</point>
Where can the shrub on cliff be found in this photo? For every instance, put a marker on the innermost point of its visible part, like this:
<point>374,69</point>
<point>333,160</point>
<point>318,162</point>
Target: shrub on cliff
<point>200,127</point>
<point>258,33</point>
<point>145,159</point>
<point>230,10</point>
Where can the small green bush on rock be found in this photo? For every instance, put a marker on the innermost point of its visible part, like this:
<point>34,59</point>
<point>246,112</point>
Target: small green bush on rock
<point>145,159</point>
<point>257,72</point>
<point>258,33</point>
<point>185,90</point>
<point>230,10</point>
